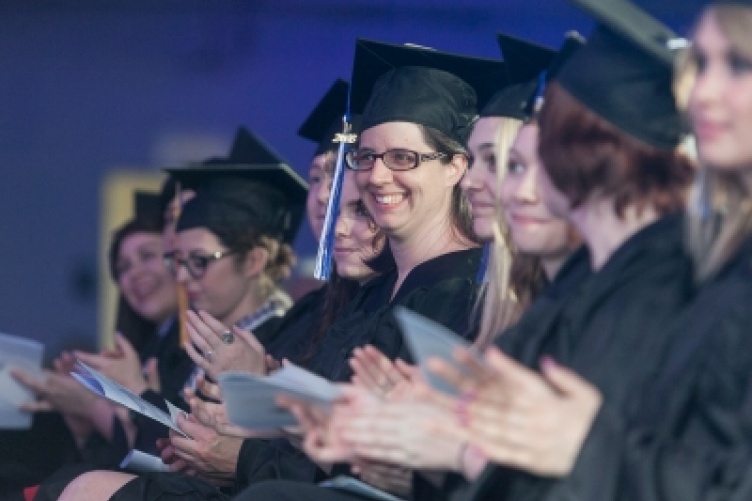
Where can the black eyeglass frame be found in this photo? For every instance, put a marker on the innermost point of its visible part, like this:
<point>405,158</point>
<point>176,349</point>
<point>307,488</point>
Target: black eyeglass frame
<point>173,263</point>
<point>419,158</point>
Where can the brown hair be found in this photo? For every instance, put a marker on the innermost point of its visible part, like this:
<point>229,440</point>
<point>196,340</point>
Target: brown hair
<point>462,215</point>
<point>583,155</point>
<point>128,322</point>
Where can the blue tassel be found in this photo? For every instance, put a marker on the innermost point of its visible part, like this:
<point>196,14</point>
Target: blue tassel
<point>481,278</point>
<point>536,100</point>
<point>323,269</point>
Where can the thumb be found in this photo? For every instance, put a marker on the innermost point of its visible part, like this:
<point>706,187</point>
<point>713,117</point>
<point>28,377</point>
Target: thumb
<point>151,372</point>
<point>562,379</point>
<point>125,347</point>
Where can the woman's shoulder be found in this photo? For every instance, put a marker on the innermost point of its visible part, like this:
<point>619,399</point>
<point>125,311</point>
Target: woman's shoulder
<point>442,274</point>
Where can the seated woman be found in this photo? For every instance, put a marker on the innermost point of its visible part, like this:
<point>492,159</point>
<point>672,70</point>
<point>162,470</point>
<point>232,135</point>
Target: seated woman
<point>612,169</point>
<point>357,240</point>
<point>504,187</point>
<point>147,306</point>
<point>148,357</point>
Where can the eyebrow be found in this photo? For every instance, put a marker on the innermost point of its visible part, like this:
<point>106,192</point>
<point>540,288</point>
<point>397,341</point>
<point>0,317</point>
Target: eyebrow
<point>149,245</point>
<point>514,151</point>
<point>486,146</point>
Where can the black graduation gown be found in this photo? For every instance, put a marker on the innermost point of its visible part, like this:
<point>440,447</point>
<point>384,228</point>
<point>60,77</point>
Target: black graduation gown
<point>572,275</point>
<point>175,369</point>
<point>442,288</point>
<point>613,331</point>
<point>692,437</point>
<point>292,337</point>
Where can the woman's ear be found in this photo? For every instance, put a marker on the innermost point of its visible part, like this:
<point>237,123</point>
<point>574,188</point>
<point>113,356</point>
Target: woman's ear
<point>456,169</point>
<point>255,262</point>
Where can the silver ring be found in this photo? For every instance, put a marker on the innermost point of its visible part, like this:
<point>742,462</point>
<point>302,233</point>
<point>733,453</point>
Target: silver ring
<point>209,355</point>
<point>227,337</point>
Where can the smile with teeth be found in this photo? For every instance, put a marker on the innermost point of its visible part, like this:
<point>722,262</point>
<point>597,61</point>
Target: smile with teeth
<point>389,199</point>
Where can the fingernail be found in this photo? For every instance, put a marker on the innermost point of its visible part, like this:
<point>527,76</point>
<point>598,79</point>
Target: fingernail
<point>547,362</point>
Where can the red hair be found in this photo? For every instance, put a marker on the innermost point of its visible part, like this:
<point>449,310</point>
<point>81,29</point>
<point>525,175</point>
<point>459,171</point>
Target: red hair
<point>583,154</point>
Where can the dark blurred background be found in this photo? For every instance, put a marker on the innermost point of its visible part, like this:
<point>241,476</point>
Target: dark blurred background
<point>91,86</point>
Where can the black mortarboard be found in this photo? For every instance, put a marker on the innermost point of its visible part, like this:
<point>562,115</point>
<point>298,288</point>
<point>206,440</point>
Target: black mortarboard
<point>511,102</point>
<point>325,121</point>
<point>147,205</point>
<point>624,73</point>
<point>524,60</point>
<point>531,65</point>
<point>421,85</point>
<point>227,203</point>
<point>251,159</point>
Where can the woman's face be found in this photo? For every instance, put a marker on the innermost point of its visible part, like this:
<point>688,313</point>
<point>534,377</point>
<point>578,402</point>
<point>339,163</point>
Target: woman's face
<point>143,278</point>
<point>221,285</point>
<point>720,103</point>
<point>403,204</point>
<point>354,235</point>
<point>534,228</point>
<point>481,183</point>
<point>320,185</point>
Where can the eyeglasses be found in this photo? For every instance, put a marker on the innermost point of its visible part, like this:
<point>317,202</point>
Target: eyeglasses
<point>396,159</point>
<point>195,264</point>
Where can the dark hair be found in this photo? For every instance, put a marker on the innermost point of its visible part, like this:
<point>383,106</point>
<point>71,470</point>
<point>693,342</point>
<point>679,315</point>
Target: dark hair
<point>242,239</point>
<point>128,322</point>
<point>239,214</point>
<point>141,224</point>
<point>462,215</point>
<point>583,153</point>
<point>338,293</point>
<point>527,279</point>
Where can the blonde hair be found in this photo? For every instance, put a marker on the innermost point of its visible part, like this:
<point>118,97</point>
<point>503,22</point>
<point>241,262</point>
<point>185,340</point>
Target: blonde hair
<point>498,307</point>
<point>279,263</point>
<point>720,206</point>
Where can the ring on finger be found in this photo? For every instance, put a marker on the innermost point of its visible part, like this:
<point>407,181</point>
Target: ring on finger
<point>209,355</point>
<point>227,337</point>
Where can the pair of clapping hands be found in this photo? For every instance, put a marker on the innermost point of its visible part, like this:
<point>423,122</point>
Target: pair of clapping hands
<point>504,412</point>
<point>83,411</point>
<point>214,447</point>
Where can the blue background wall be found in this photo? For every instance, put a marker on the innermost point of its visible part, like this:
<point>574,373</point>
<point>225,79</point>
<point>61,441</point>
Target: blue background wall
<point>94,85</point>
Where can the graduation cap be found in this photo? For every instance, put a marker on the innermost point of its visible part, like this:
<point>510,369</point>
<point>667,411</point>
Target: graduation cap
<point>624,73</point>
<point>325,121</point>
<point>421,85</point>
<point>531,65</point>
<point>511,102</point>
<point>524,60</point>
<point>250,159</point>
<point>236,202</point>
<point>147,205</point>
